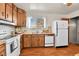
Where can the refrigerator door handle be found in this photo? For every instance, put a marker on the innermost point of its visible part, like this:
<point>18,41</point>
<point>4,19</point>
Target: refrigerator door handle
<point>56,29</point>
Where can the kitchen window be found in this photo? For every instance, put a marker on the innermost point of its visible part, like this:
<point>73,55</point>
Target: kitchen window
<point>39,22</point>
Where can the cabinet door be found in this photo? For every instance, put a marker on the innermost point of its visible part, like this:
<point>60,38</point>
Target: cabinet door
<point>2,53</point>
<point>24,18</point>
<point>27,41</point>
<point>14,14</point>
<point>34,40</point>
<point>2,10</point>
<point>9,12</point>
<point>41,41</point>
<point>21,18</point>
<point>2,50</point>
<point>21,43</point>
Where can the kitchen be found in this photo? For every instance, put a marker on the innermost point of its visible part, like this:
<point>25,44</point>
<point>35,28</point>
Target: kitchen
<point>37,29</point>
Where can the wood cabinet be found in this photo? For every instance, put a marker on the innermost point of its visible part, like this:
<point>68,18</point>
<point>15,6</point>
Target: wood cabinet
<point>21,43</point>
<point>2,10</point>
<point>9,12</point>
<point>33,40</point>
<point>26,41</point>
<point>41,40</point>
<point>14,18</point>
<point>21,21</point>
<point>24,18</point>
<point>2,50</point>
<point>38,40</point>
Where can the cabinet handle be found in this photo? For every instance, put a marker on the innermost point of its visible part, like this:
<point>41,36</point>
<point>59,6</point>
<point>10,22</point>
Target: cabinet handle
<point>3,14</point>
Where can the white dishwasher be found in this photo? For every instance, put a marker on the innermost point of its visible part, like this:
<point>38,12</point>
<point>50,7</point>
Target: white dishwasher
<point>49,40</point>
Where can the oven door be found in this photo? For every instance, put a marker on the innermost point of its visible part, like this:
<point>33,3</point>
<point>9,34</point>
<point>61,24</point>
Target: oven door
<point>11,47</point>
<point>15,44</point>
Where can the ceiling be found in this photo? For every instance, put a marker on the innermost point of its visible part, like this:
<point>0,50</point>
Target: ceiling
<point>58,8</point>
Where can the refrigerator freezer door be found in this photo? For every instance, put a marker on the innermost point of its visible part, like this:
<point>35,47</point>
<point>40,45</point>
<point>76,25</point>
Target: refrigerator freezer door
<point>62,38</point>
<point>59,25</point>
<point>54,27</point>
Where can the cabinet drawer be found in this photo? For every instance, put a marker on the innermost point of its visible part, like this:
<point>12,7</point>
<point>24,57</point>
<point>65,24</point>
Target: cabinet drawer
<point>41,35</point>
<point>27,36</point>
<point>35,35</point>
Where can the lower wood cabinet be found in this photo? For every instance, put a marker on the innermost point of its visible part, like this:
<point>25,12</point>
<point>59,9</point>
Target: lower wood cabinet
<point>41,40</point>
<point>21,43</point>
<point>26,41</point>
<point>2,50</point>
<point>33,40</point>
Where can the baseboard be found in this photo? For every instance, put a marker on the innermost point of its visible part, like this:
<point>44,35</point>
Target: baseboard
<point>61,46</point>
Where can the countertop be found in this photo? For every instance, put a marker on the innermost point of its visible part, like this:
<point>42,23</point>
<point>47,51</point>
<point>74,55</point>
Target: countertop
<point>40,33</point>
<point>9,36</point>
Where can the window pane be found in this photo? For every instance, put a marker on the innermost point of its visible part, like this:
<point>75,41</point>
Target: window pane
<point>39,22</point>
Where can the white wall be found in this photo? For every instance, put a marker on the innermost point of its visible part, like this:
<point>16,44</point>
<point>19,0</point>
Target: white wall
<point>49,16</point>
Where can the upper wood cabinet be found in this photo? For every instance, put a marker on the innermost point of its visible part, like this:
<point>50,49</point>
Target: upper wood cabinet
<point>9,12</point>
<point>14,18</point>
<point>24,18</point>
<point>18,19</point>
<point>21,21</point>
<point>2,10</point>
